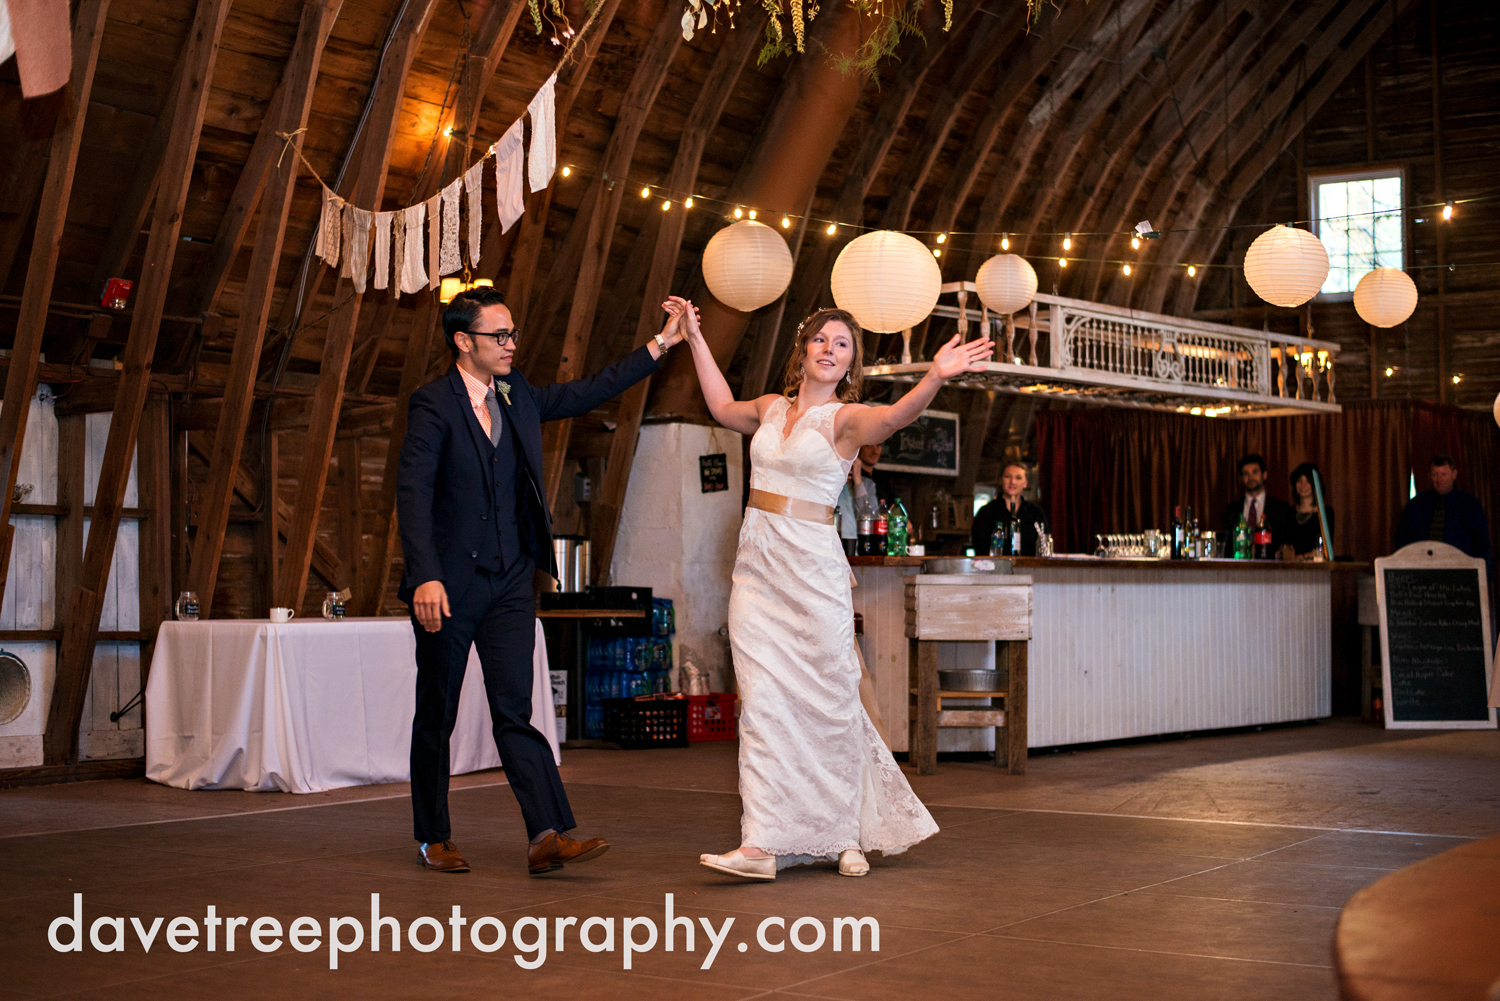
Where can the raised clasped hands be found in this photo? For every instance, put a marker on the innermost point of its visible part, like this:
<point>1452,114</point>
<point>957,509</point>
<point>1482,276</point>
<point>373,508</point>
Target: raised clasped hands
<point>955,357</point>
<point>683,318</point>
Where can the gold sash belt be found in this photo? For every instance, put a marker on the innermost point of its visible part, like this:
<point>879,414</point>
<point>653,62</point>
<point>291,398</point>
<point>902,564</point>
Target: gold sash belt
<point>792,507</point>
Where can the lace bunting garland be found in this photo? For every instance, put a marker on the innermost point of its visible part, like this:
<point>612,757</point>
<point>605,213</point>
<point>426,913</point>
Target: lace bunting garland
<point>357,245</point>
<point>383,249</point>
<point>510,163</point>
<point>543,159</point>
<point>329,227</point>
<point>413,277</point>
<point>474,188</point>
<point>449,260</point>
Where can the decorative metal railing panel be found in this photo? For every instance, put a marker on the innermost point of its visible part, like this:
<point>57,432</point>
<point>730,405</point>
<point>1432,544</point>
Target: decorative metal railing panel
<point>1129,358</point>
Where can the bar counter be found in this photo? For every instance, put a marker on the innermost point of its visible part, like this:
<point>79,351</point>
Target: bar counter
<point>1132,647</point>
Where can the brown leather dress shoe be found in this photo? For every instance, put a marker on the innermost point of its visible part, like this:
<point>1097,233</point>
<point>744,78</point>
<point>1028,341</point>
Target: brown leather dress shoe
<point>442,856</point>
<point>556,848</point>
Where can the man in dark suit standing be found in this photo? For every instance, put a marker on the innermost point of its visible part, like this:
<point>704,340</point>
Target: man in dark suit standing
<point>475,526</point>
<point>1254,504</point>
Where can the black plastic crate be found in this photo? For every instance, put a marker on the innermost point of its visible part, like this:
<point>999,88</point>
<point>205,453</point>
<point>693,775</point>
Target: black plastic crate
<point>649,721</point>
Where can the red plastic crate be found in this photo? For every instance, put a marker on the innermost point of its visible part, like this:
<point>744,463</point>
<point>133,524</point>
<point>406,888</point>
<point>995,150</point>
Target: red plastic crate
<point>711,717</point>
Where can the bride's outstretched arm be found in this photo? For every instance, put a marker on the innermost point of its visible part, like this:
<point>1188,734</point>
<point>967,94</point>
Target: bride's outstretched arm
<point>872,425</point>
<point>736,415</point>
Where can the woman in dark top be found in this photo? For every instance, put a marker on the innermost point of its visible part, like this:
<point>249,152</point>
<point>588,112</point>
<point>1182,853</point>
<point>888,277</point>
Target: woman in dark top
<point>1307,533</point>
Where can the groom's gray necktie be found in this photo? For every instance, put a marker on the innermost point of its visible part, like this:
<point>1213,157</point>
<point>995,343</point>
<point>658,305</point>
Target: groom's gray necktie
<point>493,406</point>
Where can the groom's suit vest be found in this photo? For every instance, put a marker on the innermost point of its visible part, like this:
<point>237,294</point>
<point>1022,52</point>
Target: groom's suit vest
<point>501,548</point>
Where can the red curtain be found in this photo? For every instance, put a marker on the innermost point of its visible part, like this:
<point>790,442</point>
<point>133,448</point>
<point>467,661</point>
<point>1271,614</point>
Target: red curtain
<point>1116,470</point>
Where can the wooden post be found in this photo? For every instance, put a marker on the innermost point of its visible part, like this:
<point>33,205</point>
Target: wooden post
<point>154,485</point>
<point>239,390</point>
<point>52,213</point>
<point>267,538</point>
<point>351,529</point>
<point>328,398</point>
<point>1017,653</point>
<point>71,442</point>
<point>75,657</point>
<point>923,753</point>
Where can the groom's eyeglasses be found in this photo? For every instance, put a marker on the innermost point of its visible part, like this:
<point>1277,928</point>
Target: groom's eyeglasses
<point>502,337</point>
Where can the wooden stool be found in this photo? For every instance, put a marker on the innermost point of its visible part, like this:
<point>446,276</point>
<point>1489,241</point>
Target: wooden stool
<point>966,608</point>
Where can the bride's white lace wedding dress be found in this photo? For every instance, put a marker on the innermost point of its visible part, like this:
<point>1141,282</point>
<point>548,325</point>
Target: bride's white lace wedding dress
<point>815,777</point>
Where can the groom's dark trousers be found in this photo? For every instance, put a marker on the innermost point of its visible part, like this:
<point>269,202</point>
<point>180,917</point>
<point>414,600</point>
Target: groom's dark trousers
<point>472,515</point>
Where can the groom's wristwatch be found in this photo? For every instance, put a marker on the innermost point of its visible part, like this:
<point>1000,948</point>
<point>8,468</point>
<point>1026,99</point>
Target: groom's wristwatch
<point>661,342</point>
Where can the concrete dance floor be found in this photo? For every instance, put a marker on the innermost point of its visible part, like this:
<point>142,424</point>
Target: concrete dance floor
<point>1205,868</point>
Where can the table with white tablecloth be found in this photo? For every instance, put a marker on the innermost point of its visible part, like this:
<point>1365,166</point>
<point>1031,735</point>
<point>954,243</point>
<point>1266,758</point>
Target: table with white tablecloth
<point>305,705</point>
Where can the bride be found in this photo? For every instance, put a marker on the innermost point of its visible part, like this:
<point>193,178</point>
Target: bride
<point>816,781</point>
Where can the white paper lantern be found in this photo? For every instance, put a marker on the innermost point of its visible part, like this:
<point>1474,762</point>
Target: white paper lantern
<point>1286,266</point>
<point>747,265</point>
<point>888,280</point>
<point>1385,297</point>
<point>1006,283</point>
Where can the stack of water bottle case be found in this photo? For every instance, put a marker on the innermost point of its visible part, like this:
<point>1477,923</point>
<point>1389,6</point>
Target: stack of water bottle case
<point>628,697</point>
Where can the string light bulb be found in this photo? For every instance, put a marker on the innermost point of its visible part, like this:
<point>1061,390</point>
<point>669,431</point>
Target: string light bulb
<point>1135,243</point>
<point>1192,271</point>
<point>1448,214</point>
<point>688,203</point>
<point>1457,378</point>
<point>786,222</point>
<point>738,212</point>
<point>666,206</point>
<point>1005,242</point>
<point>1390,371</point>
<point>646,192</point>
<point>752,213</point>
<point>833,228</point>
<point>567,171</point>
<point>1068,242</point>
<point>1127,271</point>
<point>447,132</point>
<point>942,238</point>
<point>937,252</point>
<point>1062,262</point>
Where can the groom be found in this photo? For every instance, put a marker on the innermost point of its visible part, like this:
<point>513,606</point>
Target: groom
<point>474,529</point>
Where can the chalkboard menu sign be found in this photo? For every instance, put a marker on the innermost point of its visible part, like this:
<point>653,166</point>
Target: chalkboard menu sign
<point>1435,638</point>
<point>928,444</point>
<point>713,472</point>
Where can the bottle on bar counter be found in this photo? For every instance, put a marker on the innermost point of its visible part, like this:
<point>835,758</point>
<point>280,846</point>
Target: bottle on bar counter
<point>1262,540</point>
<point>864,539</point>
<point>1178,530</point>
<point>1242,540</point>
<point>1015,536</point>
<point>998,539</point>
<point>882,528</point>
<point>896,532</point>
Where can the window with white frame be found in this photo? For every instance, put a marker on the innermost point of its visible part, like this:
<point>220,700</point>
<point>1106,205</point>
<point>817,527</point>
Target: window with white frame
<point>1358,217</point>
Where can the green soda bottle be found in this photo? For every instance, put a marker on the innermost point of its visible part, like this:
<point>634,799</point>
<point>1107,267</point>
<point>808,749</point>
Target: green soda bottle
<point>896,533</point>
<point>1242,540</point>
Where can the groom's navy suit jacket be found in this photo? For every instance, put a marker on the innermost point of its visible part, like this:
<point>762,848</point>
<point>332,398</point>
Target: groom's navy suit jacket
<point>452,480</point>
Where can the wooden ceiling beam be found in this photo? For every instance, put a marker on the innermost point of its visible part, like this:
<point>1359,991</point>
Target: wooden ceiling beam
<point>1113,210</point>
<point>645,84</point>
<point>815,262</point>
<point>135,205</point>
<point>1270,145</point>
<point>1112,84</point>
<point>26,171</point>
<point>52,217</point>
<point>369,190</point>
<point>704,117</point>
<point>296,93</point>
<point>1202,185</point>
<point>985,44</point>
<point>235,225</point>
<point>76,653</point>
<point>1073,69</point>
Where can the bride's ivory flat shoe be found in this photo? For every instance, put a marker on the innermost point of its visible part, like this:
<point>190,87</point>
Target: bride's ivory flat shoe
<point>852,863</point>
<point>736,864</point>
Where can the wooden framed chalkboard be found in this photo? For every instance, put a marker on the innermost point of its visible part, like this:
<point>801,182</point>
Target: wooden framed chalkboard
<point>928,444</point>
<point>1434,638</point>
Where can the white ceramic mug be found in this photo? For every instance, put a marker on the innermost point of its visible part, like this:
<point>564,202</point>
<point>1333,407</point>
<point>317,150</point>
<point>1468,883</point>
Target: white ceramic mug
<point>282,614</point>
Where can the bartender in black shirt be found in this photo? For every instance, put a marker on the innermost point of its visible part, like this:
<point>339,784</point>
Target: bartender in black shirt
<point>1004,512</point>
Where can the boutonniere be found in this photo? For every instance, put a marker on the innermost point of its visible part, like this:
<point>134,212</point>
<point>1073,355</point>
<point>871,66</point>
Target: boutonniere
<point>503,388</point>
